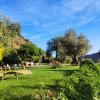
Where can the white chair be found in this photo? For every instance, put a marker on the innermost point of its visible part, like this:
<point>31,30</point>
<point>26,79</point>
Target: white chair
<point>8,67</point>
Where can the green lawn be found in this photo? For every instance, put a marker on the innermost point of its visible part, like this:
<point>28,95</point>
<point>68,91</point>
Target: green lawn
<point>43,79</point>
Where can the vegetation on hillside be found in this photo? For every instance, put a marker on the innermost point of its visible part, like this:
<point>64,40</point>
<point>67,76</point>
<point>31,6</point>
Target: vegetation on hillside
<point>13,45</point>
<point>29,52</point>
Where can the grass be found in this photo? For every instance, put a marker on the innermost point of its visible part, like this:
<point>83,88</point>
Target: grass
<point>43,78</point>
<point>98,66</point>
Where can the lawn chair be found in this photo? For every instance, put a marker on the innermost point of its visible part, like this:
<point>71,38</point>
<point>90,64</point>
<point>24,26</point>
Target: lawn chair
<point>6,67</point>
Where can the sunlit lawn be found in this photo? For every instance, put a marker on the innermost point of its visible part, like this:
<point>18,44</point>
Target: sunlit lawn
<point>43,77</point>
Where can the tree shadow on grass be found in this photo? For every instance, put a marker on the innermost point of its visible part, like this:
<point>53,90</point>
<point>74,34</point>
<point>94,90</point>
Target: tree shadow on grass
<point>10,95</point>
<point>54,86</point>
<point>64,72</point>
<point>83,93</point>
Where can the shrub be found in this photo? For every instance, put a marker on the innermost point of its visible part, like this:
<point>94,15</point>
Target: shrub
<point>98,61</point>
<point>1,53</point>
<point>83,84</point>
<point>89,64</point>
<point>12,58</point>
<point>36,59</point>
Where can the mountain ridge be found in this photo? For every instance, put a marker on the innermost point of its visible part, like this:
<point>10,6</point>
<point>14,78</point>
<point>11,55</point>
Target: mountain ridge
<point>94,56</point>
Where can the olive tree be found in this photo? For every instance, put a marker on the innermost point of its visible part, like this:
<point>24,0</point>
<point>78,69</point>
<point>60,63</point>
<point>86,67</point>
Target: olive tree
<point>69,45</point>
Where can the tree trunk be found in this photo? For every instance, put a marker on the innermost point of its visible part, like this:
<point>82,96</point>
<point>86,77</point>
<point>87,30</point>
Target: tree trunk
<point>56,54</point>
<point>75,60</point>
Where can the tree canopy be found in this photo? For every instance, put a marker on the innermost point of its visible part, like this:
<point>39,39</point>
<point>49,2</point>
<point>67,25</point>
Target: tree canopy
<point>13,44</point>
<point>69,45</point>
<point>8,30</point>
<point>29,51</point>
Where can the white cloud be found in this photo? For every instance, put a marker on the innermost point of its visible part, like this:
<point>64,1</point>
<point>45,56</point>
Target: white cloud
<point>46,15</point>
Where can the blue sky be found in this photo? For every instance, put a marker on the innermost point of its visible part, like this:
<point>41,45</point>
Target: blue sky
<point>42,20</point>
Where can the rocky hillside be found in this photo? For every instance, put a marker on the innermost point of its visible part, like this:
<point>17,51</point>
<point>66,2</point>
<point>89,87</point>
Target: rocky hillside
<point>11,38</point>
<point>18,41</point>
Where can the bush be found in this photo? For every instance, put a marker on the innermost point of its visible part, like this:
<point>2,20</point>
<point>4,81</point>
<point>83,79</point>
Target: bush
<point>1,53</point>
<point>88,63</point>
<point>83,84</point>
<point>98,61</point>
<point>36,59</point>
<point>1,64</point>
<point>12,58</point>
